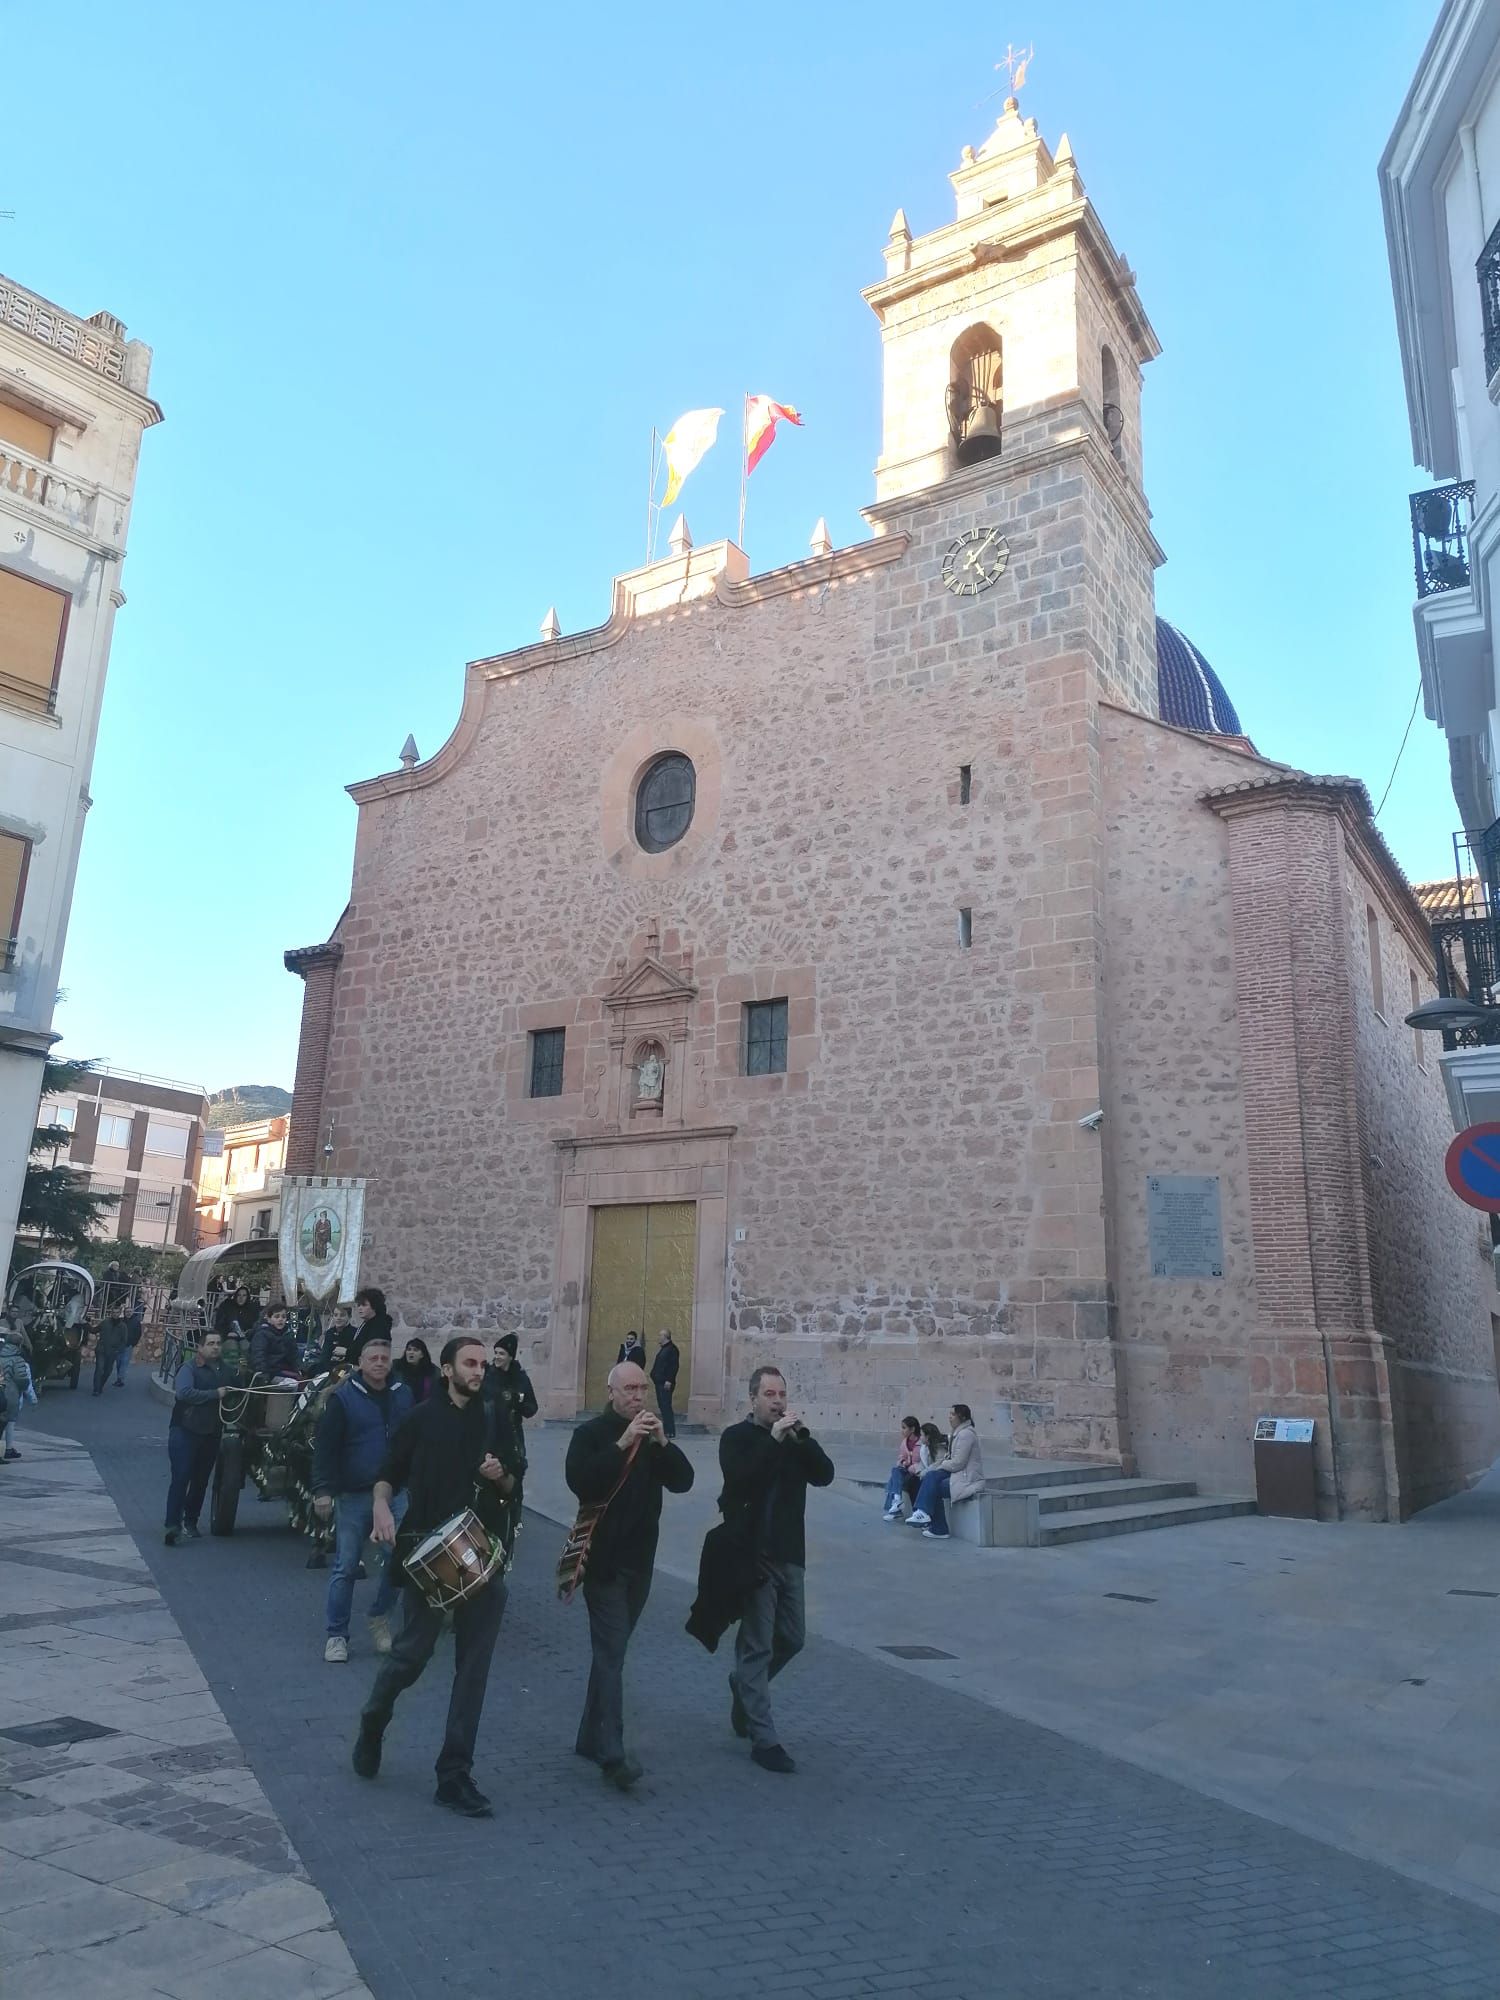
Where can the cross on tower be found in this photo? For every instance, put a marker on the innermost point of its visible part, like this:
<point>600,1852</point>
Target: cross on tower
<point>1015,62</point>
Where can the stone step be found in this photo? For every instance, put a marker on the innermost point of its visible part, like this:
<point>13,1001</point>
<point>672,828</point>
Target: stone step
<point>1045,1473</point>
<point>1136,1519</point>
<point>1107,1493</point>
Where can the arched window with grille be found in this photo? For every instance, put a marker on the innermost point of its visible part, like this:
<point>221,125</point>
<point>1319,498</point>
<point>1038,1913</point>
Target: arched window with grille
<point>1114,409</point>
<point>976,381</point>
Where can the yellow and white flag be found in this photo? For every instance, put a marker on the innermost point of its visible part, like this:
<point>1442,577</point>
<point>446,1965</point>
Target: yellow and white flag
<point>684,445</point>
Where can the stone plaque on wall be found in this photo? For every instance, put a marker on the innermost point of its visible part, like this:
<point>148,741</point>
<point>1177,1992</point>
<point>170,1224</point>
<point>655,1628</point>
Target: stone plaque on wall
<point>1184,1225</point>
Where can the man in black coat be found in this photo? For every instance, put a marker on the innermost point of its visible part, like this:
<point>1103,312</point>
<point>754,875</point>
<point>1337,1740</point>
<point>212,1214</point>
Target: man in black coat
<point>632,1348</point>
<point>768,1461</point>
<point>623,1458</point>
<point>664,1367</point>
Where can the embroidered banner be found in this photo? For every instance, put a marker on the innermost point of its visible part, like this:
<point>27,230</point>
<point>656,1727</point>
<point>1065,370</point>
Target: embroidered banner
<point>322,1225</point>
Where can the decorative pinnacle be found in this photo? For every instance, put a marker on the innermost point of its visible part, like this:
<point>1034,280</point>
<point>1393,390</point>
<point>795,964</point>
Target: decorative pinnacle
<point>900,228</point>
<point>822,541</point>
<point>410,754</point>
<point>681,538</point>
<point>550,627</point>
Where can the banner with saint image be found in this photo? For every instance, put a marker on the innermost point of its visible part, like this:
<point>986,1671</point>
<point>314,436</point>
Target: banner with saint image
<point>322,1225</point>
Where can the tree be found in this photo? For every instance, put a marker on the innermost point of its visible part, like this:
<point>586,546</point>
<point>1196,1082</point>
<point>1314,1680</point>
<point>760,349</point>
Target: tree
<point>58,1205</point>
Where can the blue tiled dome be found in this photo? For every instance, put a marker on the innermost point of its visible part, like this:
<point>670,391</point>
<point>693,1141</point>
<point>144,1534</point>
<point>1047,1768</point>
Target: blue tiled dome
<point>1188,691</point>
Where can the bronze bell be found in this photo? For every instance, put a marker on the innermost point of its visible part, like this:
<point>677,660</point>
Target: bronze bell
<point>981,438</point>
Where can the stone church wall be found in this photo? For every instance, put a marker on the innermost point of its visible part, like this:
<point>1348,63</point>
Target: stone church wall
<point>1173,1096</point>
<point>1432,1279</point>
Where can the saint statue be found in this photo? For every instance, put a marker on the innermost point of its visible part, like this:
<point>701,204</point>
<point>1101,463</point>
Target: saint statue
<point>648,1079</point>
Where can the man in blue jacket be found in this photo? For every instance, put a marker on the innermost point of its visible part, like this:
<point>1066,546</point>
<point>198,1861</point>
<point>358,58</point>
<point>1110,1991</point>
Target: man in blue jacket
<point>353,1434</point>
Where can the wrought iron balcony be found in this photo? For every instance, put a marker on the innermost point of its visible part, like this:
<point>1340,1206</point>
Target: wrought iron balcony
<point>1440,522</point>
<point>1488,271</point>
<point>1466,936</point>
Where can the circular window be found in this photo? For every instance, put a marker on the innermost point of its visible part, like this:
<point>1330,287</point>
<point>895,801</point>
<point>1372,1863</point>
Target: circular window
<point>664,803</point>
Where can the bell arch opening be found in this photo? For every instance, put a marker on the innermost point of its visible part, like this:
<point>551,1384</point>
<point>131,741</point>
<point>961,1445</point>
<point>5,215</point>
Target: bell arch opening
<point>976,379</point>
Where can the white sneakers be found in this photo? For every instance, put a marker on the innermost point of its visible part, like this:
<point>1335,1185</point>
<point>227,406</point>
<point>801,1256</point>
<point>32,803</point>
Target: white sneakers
<point>917,1519</point>
<point>893,1513</point>
<point>380,1634</point>
<point>336,1652</point>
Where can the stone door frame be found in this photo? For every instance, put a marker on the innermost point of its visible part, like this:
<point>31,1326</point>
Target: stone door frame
<point>628,1167</point>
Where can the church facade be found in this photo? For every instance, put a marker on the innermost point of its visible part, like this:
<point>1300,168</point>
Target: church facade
<point>900,967</point>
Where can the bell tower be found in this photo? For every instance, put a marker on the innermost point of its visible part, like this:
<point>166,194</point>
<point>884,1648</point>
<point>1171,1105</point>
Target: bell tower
<point>1013,346</point>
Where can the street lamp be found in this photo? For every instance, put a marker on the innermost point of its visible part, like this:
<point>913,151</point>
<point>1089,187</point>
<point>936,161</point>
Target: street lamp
<point>1458,1017</point>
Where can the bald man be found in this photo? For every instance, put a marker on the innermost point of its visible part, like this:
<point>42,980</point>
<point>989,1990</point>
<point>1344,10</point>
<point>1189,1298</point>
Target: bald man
<point>623,1458</point>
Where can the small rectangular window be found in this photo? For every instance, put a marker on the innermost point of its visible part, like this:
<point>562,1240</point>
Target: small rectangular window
<point>965,929</point>
<point>547,1062</point>
<point>65,1115</point>
<point>1377,981</point>
<point>765,1037</point>
<point>170,1140</point>
<point>1416,1033</point>
<point>33,625</point>
<point>114,1130</point>
<point>31,433</point>
<point>965,783</point>
<point>15,859</point>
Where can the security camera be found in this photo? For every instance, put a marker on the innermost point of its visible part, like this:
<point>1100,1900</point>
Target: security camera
<point>1091,1120</point>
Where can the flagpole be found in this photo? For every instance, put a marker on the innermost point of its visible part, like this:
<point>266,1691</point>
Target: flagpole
<point>650,489</point>
<point>744,471</point>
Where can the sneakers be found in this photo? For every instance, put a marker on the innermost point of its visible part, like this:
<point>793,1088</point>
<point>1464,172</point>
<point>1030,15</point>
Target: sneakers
<point>622,1775</point>
<point>170,1537</point>
<point>380,1634</point>
<point>336,1652</point>
<point>771,1757</point>
<point>366,1757</point>
<point>932,1535</point>
<point>739,1722</point>
<point>462,1795</point>
<point>892,1513</point>
<point>917,1518</point>
<point>192,1532</point>
<point>12,1453</point>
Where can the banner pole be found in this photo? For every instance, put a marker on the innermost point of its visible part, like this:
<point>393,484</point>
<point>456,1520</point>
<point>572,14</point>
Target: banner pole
<point>650,488</point>
<point>744,469</point>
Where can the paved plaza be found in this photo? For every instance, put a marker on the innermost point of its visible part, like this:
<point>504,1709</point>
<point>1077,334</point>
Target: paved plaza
<point>931,1840</point>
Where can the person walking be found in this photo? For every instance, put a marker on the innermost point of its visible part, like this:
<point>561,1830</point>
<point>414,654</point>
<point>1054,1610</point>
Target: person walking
<point>16,1386</point>
<point>135,1319</point>
<point>624,1461</point>
<point>632,1348</point>
<point>664,1367</point>
<point>507,1378</point>
<point>353,1437</point>
<point>193,1436</point>
<point>769,1460</point>
<point>453,1452</point>
<point>955,1476</point>
<point>110,1342</point>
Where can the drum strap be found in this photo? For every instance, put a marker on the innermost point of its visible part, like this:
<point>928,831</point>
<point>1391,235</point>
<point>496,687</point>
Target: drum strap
<point>573,1561</point>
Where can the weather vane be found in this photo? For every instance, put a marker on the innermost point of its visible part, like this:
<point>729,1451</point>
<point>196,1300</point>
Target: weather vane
<point>1016,61</point>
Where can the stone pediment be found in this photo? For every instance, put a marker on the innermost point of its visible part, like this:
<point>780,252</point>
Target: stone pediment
<point>649,983</point>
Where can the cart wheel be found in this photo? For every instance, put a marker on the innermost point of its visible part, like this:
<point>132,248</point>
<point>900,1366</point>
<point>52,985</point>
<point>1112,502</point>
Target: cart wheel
<point>229,1477</point>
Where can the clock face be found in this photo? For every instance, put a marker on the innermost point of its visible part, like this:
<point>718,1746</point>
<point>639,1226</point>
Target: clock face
<point>975,561</point>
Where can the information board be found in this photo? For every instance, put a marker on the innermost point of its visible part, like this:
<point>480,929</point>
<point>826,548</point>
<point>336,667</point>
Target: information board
<point>1184,1226</point>
<point>1283,1430</point>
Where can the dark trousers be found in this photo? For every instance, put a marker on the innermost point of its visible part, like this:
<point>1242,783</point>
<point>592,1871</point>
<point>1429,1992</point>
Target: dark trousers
<point>476,1627</point>
<point>772,1630</point>
<point>191,1458</point>
<point>613,1610</point>
<point>664,1397</point>
<point>104,1361</point>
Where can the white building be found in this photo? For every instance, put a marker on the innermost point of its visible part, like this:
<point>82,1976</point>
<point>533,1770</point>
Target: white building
<point>139,1138</point>
<point>73,405</point>
<point>1440,187</point>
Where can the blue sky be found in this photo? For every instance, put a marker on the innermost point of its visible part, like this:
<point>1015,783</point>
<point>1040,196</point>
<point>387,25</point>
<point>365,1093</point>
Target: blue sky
<point>420,282</point>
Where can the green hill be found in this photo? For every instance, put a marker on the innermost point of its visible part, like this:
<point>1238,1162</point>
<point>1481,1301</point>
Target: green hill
<point>242,1102</point>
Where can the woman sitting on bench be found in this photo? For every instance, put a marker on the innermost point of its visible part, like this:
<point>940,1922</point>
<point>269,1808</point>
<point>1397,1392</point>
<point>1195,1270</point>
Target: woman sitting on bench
<point>954,1477</point>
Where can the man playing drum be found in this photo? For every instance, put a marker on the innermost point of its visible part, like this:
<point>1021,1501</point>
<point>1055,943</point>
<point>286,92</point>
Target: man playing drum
<point>454,1453</point>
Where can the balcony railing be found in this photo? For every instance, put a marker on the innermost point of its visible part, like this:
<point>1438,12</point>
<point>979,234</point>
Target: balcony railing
<point>91,346</point>
<point>1440,522</point>
<point>1466,944</point>
<point>41,485</point>
<point>1488,270</point>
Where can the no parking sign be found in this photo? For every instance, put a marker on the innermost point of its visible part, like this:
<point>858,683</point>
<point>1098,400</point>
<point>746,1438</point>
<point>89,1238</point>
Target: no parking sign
<point>1473,1167</point>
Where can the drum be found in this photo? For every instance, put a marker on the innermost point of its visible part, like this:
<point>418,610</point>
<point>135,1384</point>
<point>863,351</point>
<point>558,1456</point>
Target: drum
<point>454,1561</point>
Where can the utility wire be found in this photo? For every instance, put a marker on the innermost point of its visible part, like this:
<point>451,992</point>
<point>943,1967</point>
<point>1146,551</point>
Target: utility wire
<point>1400,753</point>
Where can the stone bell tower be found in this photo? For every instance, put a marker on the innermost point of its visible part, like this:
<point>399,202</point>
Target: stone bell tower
<point>1014,341</point>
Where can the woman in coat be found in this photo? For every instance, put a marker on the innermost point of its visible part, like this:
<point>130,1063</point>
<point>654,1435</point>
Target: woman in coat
<point>953,1478</point>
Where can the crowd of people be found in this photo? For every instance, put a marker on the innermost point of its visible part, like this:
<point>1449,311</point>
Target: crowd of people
<point>933,1472</point>
<point>409,1452</point>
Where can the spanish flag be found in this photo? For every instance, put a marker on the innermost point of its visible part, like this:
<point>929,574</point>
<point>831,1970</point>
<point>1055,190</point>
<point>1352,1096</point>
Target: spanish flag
<point>684,445</point>
<point>761,418</point>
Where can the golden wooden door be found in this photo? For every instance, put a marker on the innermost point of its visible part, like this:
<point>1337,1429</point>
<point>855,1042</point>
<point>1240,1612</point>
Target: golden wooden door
<point>641,1277</point>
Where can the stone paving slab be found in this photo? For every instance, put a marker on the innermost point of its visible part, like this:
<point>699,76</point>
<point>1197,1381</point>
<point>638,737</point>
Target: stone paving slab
<point>930,1842</point>
<point>145,1862</point>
